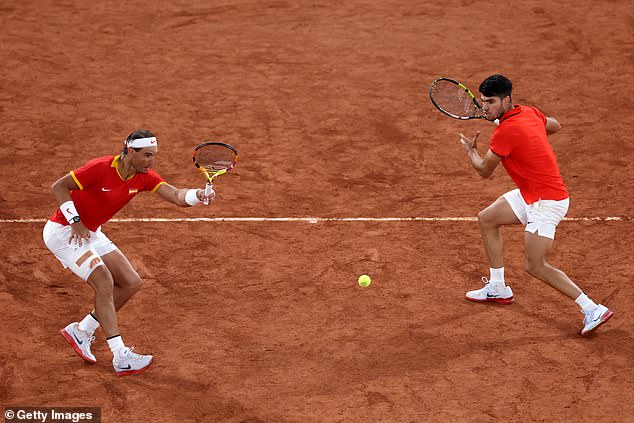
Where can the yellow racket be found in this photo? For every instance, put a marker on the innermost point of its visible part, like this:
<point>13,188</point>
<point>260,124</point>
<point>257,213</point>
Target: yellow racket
<point>214,159</point>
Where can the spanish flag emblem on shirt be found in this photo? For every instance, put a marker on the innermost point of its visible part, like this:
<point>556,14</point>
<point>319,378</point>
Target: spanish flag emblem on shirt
<point>132,191</point>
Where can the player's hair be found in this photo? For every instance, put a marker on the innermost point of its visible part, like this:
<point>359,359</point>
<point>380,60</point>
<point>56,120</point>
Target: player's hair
<point>496,86</point>
<point>139,133</point>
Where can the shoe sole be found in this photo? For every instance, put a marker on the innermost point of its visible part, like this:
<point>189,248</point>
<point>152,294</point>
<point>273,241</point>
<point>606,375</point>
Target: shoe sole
<point>508,300</point>
<point>72,343</point>
<point>606,316</point>
<point>134,372</point>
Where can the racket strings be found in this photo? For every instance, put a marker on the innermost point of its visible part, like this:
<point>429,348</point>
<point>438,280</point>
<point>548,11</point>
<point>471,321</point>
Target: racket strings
<point>453,99</point>
<point>215,158</point>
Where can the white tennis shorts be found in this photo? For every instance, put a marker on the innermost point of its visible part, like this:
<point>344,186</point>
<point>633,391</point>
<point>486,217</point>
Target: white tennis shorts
<point>81,260</point>
<point>540,217</point>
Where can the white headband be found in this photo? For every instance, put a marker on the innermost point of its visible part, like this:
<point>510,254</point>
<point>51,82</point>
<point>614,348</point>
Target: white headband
<point>142,142</point>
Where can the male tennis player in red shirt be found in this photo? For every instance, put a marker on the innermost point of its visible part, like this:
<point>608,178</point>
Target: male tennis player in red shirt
<point>89,196</point>
<point>541,201</point>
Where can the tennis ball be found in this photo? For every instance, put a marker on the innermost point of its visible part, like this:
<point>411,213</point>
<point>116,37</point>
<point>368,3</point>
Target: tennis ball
<point>364,281</point>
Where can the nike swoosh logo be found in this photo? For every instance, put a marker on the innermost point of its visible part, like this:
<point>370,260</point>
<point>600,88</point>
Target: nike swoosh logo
<point>125,368</point>
<point>493,295</point>
<point>78,341</point>
<point>105,189</point>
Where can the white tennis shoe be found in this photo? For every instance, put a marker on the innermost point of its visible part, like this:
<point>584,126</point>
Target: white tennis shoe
<point>489,294</point>
<point>80,341</point>
<point>595,318</point>
<point>126,362</point>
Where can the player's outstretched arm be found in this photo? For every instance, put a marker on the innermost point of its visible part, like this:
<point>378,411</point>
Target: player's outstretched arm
<point>552,125</point>
<point>182,197</point>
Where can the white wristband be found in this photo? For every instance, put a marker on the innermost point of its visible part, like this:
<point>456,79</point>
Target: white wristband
<point>69,211</point>
<point>191,197</point>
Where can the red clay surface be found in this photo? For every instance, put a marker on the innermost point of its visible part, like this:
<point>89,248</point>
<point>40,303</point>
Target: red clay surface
<point>327,105</point>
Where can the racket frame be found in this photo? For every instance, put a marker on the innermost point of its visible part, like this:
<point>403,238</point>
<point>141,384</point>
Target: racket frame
<point>210,174</point>
<point>478,107</point>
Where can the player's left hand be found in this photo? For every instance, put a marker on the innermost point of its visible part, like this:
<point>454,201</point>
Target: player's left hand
<point>469,143</point>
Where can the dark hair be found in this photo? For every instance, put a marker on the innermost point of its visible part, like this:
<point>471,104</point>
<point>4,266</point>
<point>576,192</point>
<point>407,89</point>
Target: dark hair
<point>496,86</point>
<point>139,133</point>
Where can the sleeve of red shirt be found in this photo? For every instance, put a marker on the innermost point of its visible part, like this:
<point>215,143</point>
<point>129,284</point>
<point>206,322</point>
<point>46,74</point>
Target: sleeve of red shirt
<point>538,113</point>
<point>501,144</point>
<point>153,180</point>
<point>86,175</point>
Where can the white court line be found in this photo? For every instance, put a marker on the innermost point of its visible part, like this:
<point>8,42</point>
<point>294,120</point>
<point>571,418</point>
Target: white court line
<point>315,219</point>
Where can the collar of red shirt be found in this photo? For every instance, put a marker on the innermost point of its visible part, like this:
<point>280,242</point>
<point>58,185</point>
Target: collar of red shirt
<point>115,164</point>
<point>515,110</point>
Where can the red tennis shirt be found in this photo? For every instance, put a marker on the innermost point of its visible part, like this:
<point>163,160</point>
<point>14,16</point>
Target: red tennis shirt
<point>527,156</point>
<point>103,192</point>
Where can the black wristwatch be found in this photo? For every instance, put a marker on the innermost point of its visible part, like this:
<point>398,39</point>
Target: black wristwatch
<point>74,220</point>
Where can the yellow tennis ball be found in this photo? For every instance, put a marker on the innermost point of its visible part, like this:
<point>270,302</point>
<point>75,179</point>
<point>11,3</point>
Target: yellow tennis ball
<point>364,281</point>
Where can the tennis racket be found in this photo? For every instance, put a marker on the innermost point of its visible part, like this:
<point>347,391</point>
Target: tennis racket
<point>455,100</point>
<point>214,159</point>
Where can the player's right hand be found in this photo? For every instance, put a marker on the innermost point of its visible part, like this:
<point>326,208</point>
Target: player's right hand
<point>206,195</point>
<point>79,234</point>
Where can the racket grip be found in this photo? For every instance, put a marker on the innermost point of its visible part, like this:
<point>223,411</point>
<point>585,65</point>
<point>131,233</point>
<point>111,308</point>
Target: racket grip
<point>208,191</point>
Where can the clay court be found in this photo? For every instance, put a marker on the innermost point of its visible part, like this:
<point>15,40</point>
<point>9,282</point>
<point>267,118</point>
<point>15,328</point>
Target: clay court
<point>261,320</point>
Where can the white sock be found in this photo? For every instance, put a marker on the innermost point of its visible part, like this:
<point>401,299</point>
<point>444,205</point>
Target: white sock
<point>586,303</point>
<point>115,343</point>
<point>89,324</point>
<point>497,277</point>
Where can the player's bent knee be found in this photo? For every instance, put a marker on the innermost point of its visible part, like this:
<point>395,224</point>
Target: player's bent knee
<point>131,282</point>
<point>84,262</point>
<point>101,281</point>
<point>485,220</point>
<point>534,266</point>
<point>135,283</point>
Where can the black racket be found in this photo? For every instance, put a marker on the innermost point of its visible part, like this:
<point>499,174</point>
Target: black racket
<point>455,100</point>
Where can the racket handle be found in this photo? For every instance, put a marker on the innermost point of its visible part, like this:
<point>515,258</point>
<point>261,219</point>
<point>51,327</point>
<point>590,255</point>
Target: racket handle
<point>208,191</point>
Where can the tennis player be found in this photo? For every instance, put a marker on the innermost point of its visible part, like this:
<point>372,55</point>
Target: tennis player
<point>90,196</point>
<point>541,201</point>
